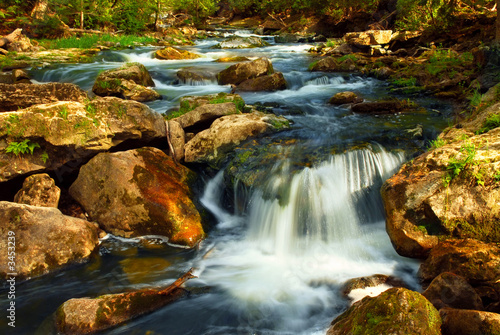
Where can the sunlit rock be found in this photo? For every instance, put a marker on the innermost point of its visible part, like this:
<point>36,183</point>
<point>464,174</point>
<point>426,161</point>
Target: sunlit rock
<point>466,322</point>
<point>238,42</point>
<point>39,190</point>
<point>238,73</point>
<point>271,82</point>
<point>140,192</point>
<point>171,53</point>
<point>45,240</point>
<point>369,37</point>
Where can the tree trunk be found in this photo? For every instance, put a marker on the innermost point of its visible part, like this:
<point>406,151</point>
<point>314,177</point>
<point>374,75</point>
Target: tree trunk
<point>81,14</point>
<point>40,9</point>
<point>497,34</point>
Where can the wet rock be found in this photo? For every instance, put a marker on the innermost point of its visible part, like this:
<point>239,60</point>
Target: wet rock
<point>191,102</point>
<point>211,145</point>
<point>467,322</point>
<point>202,116</point>
<point>451,290</point>
<point>238,73</point>
<point>177,138</point>
<point>121,191</point>
<point>66,134</point>
<point>45,239</point>
<point>171,53</point>
<point>449,191</point>
<point>477,262</point>
<point>18,96</point>
<point>395,311</point>
<point>238,42</point>
<point>286,38</point>
<point>370,281</point>
<point>232,59</point>
<point>193,75</point>
<point>127,82</point>
<point>20,76</point>
<point>330,64</point>
<point>378,107</point>
<point>39,190</point>
<point>90,316</point>
<point>369,37</point>
<point>272,82</point>
<point>344,98</point>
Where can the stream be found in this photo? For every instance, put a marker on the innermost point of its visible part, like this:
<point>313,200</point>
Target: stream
<point>273,264</point>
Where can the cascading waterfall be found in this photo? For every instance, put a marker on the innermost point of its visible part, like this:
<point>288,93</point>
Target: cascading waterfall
<point>305,236</point>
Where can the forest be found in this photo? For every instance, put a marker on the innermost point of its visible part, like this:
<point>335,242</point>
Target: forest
<point>47,18</point>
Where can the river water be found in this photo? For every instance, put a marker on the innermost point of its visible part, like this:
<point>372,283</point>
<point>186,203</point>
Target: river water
<point>273,265</point>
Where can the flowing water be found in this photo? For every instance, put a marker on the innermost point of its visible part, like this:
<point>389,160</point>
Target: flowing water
<point>275,264</point>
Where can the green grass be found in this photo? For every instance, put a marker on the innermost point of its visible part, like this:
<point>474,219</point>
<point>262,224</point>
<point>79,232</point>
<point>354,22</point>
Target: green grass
<point>437,143</point>
<point>405,82</point>
<point>491,122</point>
<point>90,41</point>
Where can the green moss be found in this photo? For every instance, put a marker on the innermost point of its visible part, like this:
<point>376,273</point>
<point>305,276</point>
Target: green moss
<point>279,124</point>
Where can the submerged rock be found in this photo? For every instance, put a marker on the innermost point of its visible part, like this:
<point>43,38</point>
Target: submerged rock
<point>383,281</point>
<point>378,107</point>
<point>130,82</point>
<point>140,192</point>
<point>19,96</point>
<point>39,190</point>
<point>45,240</point>
<point>238,73</point>
<point>58,133</point>
<point>395,311</point>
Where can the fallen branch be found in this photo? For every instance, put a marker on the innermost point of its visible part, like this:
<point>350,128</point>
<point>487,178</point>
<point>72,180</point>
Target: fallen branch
<point>177,284</point>
<point>11,37</point>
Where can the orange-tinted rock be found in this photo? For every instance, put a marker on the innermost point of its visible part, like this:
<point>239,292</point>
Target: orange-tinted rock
<point>238,73</point>
<point>272,82</point>
<point>140,192</point>
<point>171,53</point>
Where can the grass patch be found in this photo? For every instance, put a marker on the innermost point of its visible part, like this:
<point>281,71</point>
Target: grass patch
<point>491,122</point>
<point>91,41</point>
<point>437,143</point>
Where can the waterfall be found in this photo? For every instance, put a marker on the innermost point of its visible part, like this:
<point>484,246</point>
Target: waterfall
<point>304,233</point>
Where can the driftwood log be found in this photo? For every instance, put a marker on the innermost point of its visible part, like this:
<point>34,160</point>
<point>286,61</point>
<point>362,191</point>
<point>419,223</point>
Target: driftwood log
<point>10,38</point>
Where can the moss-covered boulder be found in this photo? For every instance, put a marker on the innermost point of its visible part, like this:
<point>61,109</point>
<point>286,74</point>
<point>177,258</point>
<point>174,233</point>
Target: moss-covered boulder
<point>39,190</point>
<point>171,53</point>
<point>47,137</point>
<point>238,73</point>
<point>453,190</point>
<point>140,192</point>
<point>211,145</point>
<point>331,64</point>
<point>203,116</point>
<point>20,96</point>
<point>395,311</point>
<point>238,42</point>
<point>270,82</point>
<point>45,240</point>
<point>130,81</point>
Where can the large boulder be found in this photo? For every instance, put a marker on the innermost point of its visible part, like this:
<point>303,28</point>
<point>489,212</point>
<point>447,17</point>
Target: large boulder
<point>477,262</point>
<point>450,191</point>
<point>238,73</point>
<point>19,96</point>
<point>451,290</point>
<point>39,190</point>
<point>130,81</point>
<point>271,82</point>
<point>395,311</point>
<point>45,240</point>
<point>369,37</point>
<point>140,192</point>
<point>346,97</point>
<point>171,53</point>
<point>211,145</point>
<point>468,322</point>
<point>238,42</point>
<point>48,137</point>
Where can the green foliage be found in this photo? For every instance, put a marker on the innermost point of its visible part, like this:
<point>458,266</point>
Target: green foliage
<point>491,122</point>
<point>405,82</point>
<point>458,165</point>
<point>437,143</point>
<point>63,112</point>
<point>346,57</point>
<point>44,157</point>
<point>91,41</point>
<point>22,147</point>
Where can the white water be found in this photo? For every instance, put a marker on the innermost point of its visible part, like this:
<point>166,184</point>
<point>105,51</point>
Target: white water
<point>302,238</point>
